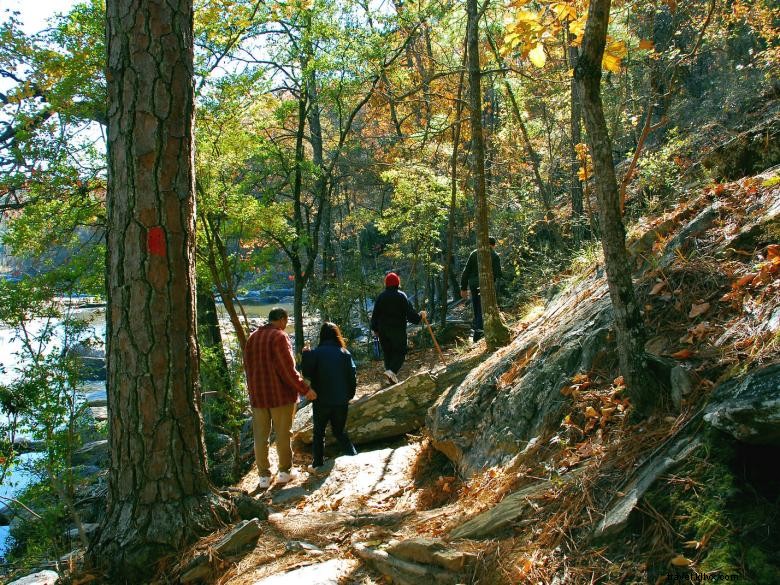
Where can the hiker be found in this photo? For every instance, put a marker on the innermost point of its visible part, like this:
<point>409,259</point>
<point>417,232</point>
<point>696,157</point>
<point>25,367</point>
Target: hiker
<point>469,284</point>
<point>392,309</point>
<point>274,386</point>
<point>332,373</point>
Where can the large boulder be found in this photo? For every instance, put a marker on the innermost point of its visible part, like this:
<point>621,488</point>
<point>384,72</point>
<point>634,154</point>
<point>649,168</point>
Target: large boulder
<point>748,408</point>
<point>389,412</point>
<point>515,394</point>
<point>39,578</point>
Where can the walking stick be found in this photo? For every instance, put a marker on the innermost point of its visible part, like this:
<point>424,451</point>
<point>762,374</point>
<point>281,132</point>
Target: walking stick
<point>435,343</point>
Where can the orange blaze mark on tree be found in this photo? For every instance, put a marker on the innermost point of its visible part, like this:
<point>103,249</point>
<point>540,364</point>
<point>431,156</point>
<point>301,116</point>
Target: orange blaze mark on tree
<point>155,241</point>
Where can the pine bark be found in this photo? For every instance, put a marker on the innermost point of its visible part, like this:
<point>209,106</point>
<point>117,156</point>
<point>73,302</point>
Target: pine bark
<point>159,495</point>
<point>496,333</point>
<point>640,383</point>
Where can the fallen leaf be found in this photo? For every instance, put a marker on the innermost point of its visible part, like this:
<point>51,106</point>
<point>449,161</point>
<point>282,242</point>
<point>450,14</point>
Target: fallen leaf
<point>680,561</point>
<point>773,251</point>
<point>683,354</point>
<point>591,412</point>
<point>699,309</point>
<point>619,381</point>
<point>744,280</point>
<point>659,286</point>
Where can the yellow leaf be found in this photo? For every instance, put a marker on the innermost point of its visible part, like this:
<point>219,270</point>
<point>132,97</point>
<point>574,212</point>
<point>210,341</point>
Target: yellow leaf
<point>611,63</point>
<point>538,56</point>
<point>564,11</point>
<point>591,412</point>
<point>681,561</point>
<point>646,45</point>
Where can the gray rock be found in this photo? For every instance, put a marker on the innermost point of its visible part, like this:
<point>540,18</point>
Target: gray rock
<point>332,572</point>
<point>515,394</point>
<point>686,237</point>
<point>765,228</point>
<point>249,507</point>
<point>669,455</point>
<point>245,532</point>
<point>96,398</point>
<point>748,408</point>
<point>94,454</point>
<point>681,385</point>
<point>89,529</point>
<point>431,551</point>
<point>39,578</point>
<point>389,412</point>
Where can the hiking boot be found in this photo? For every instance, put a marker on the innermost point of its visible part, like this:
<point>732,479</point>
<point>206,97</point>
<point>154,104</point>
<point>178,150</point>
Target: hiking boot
<point>391,377</point>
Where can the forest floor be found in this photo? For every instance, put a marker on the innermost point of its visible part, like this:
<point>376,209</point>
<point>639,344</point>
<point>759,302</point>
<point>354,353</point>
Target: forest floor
<point>715,309</point>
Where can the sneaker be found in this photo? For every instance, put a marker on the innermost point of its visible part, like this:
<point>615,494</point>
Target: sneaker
<point>263,483</point>
<point>390,375</point>
<point>285,476</point>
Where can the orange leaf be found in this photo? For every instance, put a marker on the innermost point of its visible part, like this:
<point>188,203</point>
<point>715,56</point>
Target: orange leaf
<point>619,381</point>
<point>772,251</point>
<point>744,280</point>
<point>683,354</point>
<point>591,412</point>
<point>646,44</point>
<point>697,310</point>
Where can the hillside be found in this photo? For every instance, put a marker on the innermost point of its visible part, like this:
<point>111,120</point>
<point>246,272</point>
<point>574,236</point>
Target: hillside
<point>547,478</point>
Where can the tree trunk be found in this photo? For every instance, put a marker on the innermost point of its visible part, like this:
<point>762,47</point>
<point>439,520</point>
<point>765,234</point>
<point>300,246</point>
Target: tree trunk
<point>496,333</point>
<point>639,381</point>
<point>448,248</point>
<point>215,381</point>
<point>575,186</point>
<point>159,496</point>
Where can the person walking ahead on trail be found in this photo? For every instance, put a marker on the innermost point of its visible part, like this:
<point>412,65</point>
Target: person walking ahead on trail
<point>274,385</point>
<point>392,310</point>
<point>469,283</point>
<point>332,373</point>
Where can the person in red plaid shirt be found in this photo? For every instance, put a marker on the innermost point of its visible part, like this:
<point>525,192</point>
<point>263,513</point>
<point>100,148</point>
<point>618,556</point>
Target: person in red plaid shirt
<point>274,385</point>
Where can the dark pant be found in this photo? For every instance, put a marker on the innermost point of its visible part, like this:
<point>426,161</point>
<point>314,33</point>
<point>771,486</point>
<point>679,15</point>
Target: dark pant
<point>337,416</point>
<point>394,351</point>
<point>476,305</point>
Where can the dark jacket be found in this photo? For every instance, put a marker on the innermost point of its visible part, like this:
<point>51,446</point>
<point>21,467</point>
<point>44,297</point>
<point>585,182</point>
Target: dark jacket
<point>392,310</point>
<point>332,373</point>
<point>469,279</point>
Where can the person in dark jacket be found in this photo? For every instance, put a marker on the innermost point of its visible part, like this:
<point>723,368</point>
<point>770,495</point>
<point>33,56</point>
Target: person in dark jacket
<point>331,370</point>
<point>469,284</point>
<point>392,310</point>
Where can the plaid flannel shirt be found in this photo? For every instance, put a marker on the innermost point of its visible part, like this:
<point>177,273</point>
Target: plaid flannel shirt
<point>269,364</point>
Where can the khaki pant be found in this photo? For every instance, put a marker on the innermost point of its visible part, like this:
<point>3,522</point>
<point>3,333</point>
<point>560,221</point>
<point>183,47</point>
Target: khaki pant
<point>281,418</point>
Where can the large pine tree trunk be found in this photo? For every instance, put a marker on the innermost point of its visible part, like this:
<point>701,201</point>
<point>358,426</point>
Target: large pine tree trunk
<point>159,496</point>
<point>640,383</point>
<point>496,333</point>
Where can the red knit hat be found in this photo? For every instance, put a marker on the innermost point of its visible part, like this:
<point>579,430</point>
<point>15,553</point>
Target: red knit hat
<point>392,279</point>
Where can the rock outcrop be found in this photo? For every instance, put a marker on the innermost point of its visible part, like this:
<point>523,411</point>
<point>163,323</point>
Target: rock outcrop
<point>515,394</point>
<point>389,412</point>
<point>748,408</point>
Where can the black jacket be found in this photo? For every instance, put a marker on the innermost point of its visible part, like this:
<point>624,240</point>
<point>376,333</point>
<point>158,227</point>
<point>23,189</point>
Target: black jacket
<point>332,373</point>
<point>470,276</point>
<point>392,310</point>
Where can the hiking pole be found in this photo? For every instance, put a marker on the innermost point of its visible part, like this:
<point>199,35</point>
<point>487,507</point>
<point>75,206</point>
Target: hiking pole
<point>435,343</point>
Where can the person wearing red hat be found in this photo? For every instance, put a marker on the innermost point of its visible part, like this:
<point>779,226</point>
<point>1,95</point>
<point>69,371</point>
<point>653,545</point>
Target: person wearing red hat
<point>392,310</point>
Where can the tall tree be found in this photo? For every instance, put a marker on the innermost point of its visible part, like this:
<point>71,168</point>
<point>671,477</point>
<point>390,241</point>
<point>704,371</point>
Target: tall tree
<point>640,383</point>
<point>159,496</point>
<point>496,333</point>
